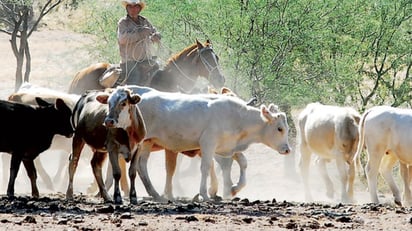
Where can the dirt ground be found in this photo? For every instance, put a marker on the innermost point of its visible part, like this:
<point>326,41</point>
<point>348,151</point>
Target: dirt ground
<point>272,199</point>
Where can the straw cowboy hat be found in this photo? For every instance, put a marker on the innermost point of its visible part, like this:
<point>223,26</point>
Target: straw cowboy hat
<point>133,2</point>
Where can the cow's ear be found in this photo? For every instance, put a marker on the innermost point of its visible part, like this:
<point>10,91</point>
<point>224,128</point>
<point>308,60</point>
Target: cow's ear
<point>211,90</point>
<point>273,108</point>
<point>135,98</point>
<point>102,98</point>
<point>41,102</point>
<point>60,104</point>
<point>226,91</point>
<point>265,113</point>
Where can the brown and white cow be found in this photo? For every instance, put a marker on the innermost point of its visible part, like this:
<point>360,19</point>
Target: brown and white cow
<point>27,131</point>
<point>385,131</point>
<point>88,119</point>
<point>210,123</point>
<point>330,132</point>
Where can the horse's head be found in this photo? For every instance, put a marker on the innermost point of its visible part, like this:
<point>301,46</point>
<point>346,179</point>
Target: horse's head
<point>210,64</point>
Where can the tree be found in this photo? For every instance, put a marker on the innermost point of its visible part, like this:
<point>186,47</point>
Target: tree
<point>18,20</point>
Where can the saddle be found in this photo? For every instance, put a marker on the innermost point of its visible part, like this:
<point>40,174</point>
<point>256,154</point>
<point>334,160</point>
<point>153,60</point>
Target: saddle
<point>110,76</point>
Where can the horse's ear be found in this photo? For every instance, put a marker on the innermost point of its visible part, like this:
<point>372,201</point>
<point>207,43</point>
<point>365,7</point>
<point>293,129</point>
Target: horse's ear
<point>208,42</point>
<point>199,44</point>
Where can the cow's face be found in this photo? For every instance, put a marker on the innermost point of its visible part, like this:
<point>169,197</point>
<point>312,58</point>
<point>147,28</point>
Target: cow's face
<point>120,102</point>
<point>61,116</point>
<point>275,133</point>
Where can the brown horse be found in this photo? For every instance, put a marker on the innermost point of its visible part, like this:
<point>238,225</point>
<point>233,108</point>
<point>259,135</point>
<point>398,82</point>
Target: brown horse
<point>179,74</point>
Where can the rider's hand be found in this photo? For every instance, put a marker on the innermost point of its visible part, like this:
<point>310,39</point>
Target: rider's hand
<point>145,31</point>
<point>156,37</point>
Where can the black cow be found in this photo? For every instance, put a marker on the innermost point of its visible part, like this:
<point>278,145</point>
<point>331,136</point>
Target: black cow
<point>27,131</point>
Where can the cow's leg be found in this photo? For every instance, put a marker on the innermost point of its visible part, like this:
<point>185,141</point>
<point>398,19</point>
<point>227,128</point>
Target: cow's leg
<point>77,146</point>
<point>225,164</point>
<point>344,175</point>
<point>386,167</point>
<point>351,181</point>
<point>132,177</point>
<point>43,174</point>
<point>325,176</point>
<point>170,159</point>
<point>143,157</point>
<point>14,169</point>
<point>31,172</point>
<point>241,160</point>
<point>97,162</point>
<point>372,170</point>
<point>214,184</point>
<point>304,162</point>
<point>116,173</point>
<point>109,176</point>
<point>124,185</point>
<point>405,172</point>
<point>207,150</point>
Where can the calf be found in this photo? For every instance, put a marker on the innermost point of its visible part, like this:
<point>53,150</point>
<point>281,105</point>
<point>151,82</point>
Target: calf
<point>216,124</point>
<point>27,131</point>
<point>26,94</point>
<point>330,132</point>
<point>88,118</point>
<point>385,131</point>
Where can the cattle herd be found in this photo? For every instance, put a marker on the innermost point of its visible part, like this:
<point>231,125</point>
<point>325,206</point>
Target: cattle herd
<point>127,123</point>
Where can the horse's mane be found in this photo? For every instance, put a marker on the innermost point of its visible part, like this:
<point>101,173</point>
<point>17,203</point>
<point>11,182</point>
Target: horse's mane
<point>185,52</point>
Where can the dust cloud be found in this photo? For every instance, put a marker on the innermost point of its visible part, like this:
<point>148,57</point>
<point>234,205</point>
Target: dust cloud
<point>54,63</point>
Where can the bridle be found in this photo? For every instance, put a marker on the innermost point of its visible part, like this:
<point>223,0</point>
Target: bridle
<point>207,65</point>
<point>210,68</point>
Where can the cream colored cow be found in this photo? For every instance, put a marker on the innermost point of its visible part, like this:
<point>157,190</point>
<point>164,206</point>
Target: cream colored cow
<point>330,132</point>
<point>385,131</point>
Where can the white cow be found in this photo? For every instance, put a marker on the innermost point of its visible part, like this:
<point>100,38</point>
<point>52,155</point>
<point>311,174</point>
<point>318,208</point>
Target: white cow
<point>330,132</point>
<point>386,133</point>
<point>212,123</point>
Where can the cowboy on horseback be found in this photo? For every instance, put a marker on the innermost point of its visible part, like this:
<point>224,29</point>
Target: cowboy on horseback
<point>136,35</point>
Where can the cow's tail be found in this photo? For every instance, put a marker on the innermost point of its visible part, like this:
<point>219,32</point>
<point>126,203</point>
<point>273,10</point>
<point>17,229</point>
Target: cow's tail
<point>361,144</point>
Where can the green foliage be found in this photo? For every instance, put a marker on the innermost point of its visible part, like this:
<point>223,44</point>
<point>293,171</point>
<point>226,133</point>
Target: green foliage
<point>289,52</point>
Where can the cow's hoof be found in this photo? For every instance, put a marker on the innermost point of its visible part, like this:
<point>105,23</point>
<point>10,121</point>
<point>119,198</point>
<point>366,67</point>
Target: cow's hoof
<point>133,201</point>
<point>118,201</point>
<point>199,198</point>
<point>217,198</point>
<point>399,203</point>
<point>160,199</point>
